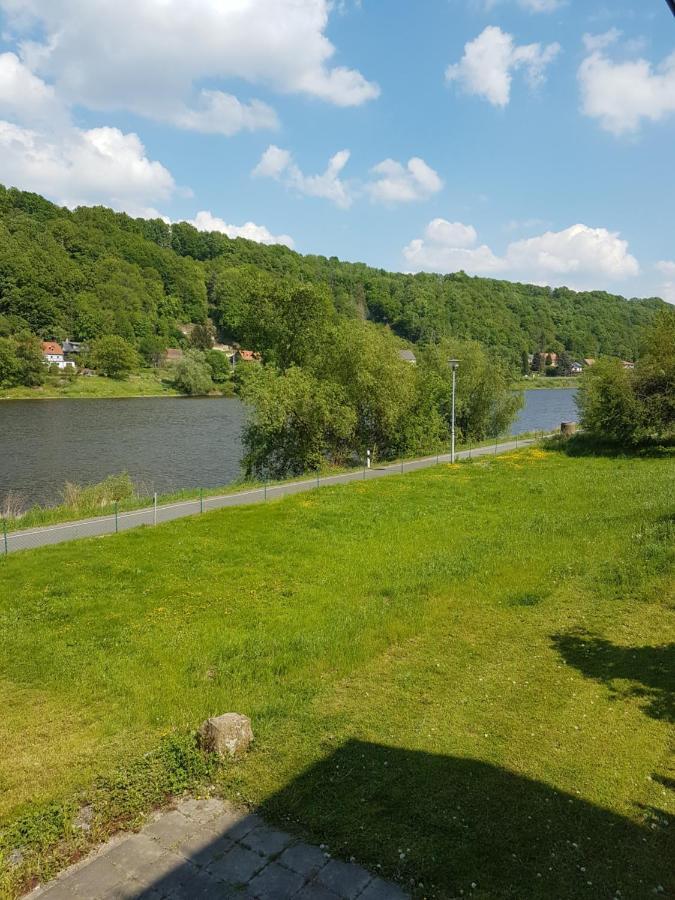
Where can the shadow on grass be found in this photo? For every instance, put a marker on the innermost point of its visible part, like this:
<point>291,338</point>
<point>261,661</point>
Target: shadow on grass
<point>460,822</point>
<point>583,444</point>
<point>650,670</point>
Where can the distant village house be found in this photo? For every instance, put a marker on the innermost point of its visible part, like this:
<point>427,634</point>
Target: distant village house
<point>52,354</point>
<point>247,356</point>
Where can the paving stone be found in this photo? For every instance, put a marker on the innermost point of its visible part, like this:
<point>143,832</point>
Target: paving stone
<point>316,891</point>
<point>241,828</point>
<point>379,889</point>
<point>266,841</point>
<point>345,879</point>
<point>96,879</point>
<point>211,853</point>
<point>134,854</point>
<point>203,847</point>
<point>275,883</point>
<point>303,858</point>
<point>157,870</point>
<point>238,865</point>
<point>170,828</point>
<point>58,890</point>
<point>201,811</point>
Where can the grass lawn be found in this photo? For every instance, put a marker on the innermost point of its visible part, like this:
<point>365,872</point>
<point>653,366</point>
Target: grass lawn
<point>462,675</point>
<point>147,383</point>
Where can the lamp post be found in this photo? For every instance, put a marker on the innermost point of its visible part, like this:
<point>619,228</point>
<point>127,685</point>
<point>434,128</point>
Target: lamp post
<point>453,364</point>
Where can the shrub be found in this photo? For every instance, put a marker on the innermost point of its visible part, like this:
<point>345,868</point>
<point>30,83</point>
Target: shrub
<point>193,375</point>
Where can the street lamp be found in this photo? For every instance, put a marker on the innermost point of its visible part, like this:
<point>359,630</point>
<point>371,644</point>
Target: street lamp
<point>453,364</point>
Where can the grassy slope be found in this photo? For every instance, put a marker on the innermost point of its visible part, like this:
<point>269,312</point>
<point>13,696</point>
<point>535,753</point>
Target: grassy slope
<point>466,666</point>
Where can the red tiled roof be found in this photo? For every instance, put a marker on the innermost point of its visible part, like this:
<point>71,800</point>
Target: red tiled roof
<point>52,348</point>
<point>249,355</point>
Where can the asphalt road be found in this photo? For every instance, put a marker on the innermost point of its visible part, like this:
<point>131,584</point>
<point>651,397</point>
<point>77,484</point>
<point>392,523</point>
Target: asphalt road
<point>70,531</point>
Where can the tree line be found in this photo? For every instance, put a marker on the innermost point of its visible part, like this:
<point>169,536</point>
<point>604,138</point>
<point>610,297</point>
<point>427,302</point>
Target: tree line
<point>332,384</point>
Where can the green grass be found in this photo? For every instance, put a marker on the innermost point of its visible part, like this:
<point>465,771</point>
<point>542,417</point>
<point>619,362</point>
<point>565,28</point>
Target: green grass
<point>461,675</point>
<point>39,516</point>
<point>544,383</point>
<point>147,383</point>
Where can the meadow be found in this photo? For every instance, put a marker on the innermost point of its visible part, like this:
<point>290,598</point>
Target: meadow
<point>461,676</point>
<point>147,383</point>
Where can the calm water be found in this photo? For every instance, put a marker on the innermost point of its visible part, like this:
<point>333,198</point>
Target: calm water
<point>164,443</point>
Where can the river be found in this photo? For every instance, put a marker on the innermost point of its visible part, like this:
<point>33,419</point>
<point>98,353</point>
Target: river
<point>164,443</point>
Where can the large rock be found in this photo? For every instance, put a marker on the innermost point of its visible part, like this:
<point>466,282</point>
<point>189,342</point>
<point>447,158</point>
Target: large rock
<point>227,735</point>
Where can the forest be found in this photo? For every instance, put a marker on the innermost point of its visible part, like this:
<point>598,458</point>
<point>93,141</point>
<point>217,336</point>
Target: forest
<point>90,272</point>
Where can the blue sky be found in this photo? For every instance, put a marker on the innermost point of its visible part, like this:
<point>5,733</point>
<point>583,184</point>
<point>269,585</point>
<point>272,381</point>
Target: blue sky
<point>524,139</point>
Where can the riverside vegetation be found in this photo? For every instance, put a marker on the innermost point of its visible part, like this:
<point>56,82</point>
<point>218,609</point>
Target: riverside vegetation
<point>461,675</point>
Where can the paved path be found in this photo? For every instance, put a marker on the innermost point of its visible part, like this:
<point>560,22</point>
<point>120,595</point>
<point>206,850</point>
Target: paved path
<point>207,849</point>
<point>68,531</point>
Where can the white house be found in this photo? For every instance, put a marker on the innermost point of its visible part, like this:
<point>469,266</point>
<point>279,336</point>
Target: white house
<point>52,353</point>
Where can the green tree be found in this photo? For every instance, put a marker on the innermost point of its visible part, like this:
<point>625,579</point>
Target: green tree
<point>299,422</point>
<point>654,377</point>
<point>607,403</point>
<point>30,361</point>
<point>220,366</point>
<point>9,364</point>
<point>201,337</point>
<point>152,348</point>
<point>113,356</point>
<point>192,374</point>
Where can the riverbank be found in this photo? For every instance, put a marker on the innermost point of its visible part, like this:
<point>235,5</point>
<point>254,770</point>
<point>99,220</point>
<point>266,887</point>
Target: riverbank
<point>437,686</point>
<point>93,501</point>
<point>548,384</point>
<point>147,383</point>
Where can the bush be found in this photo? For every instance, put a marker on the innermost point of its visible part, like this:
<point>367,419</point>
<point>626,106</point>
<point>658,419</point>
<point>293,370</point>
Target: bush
<point>110,490</point>
<point>220,366</point>
<point>632,406</point>
<point>193,375</point>
<point>113,356</point>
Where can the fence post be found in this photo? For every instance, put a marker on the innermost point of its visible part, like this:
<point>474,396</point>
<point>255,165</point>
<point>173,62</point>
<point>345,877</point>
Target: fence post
<point>117,526</point>
<point>201,500</point>
<point>318,477</point>
<point>4,535</point>
<point>401,465</point>
<point>154,516</point>
<point>265,489</point>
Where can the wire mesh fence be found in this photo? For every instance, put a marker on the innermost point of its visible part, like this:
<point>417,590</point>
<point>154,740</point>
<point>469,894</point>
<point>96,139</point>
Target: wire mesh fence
<point>157,512</point>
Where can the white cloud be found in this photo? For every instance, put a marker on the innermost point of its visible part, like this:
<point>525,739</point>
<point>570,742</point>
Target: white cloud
<point>541,6</point>
<point>150,56</point>
<point>273,162</point>
<point>594,42</point>
<point>667,289</point>
<point>206,221</point>
<point>623,94</point>
<point>535,6</point>
<point>278,164</point>
<point>579,255</point>
<point>102,165</point>
<point>219,113</point>
<point>24,96</point>
<point>666,267</point>
<point>489,60</point>
<point>395,183</point>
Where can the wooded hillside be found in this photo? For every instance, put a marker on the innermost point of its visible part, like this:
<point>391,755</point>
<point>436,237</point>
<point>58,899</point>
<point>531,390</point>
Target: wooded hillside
<point>89,272</point>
